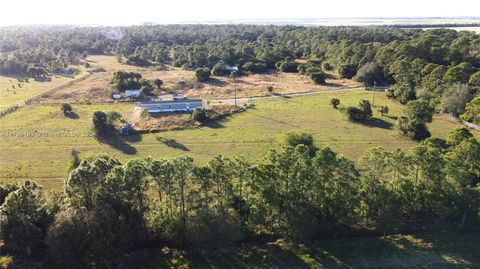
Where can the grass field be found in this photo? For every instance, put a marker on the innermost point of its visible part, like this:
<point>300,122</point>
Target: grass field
<point>13,92</point>
<point>432,250</point>
<point>36,140</point>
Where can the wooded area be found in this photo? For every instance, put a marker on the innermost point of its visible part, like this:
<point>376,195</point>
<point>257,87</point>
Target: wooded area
<point>419,63</point>
<point>299,192</point>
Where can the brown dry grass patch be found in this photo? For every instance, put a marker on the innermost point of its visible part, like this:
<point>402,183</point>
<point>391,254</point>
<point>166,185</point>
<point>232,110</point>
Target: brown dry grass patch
<point>96,88</point>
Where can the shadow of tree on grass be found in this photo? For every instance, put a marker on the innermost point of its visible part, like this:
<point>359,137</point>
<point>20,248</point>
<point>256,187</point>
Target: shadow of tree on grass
<point>72,115</point>
<point>172,143</point>
<point>215,82</point>
<point>117,142</point>
<point>377,123</point>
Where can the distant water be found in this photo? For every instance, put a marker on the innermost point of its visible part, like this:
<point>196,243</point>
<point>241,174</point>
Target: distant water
<point>346,21</point>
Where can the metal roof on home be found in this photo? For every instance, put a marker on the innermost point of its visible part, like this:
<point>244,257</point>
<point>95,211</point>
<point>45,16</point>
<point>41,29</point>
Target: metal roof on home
<point>171,106</point>
<point>129,93</point>
<point>231,68</point>
<point>171,102</point>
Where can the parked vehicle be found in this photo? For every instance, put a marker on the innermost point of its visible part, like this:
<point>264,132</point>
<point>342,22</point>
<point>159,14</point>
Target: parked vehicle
<point>179,97</point>
<point>126,129</point>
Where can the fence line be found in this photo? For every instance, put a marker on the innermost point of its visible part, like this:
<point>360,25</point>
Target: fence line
<point>466,123</point>
<point>15,107</point>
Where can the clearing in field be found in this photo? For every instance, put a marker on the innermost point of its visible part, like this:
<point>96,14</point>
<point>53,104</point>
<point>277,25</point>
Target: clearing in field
<point>36,140</point>
<point>96,88</point>
<point>16,90</point>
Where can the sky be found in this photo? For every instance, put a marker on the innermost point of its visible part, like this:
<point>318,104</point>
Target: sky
<point>122,12</point>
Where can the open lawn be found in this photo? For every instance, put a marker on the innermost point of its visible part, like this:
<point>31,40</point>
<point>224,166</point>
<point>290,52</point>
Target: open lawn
<point>36,140</point>
<point>96,88</point>
<point>431,250</point>
<point>13,92</point>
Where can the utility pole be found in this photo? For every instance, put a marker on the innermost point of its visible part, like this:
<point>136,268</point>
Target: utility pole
<point>374,85</point>
<point>232,75</point>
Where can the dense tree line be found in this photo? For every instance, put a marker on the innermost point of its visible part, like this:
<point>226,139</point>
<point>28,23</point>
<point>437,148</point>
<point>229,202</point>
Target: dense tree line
<point>50,48</point>
<point>421,64</point>
<point>299,192</point>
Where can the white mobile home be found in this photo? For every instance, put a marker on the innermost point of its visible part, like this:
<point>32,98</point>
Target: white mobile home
<point>171,106</point>
<point>132,93</point>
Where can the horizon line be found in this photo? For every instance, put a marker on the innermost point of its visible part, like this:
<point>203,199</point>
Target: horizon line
<point>273,20</point>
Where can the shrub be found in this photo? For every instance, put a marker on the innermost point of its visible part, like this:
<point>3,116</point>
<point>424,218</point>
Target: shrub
<point>299,225</point>
<point>74,159</point>
<point>327,66</point>
<point>165,226</point>
<point>98,69</point>
<point>145,91</point>
<point>144,115</point>
<point>363,112</point>
<point>456,98</point>
<point>347,71</point>
<point>390,93</point>
<point>415,129</point>
<point>270,89</point>
<point>403,93</point>
<point>293,139</point>
<point>181,83</point>
<point>354,113</point>
<point>158,83</point>
<point>472,111</point>
<point>255,67</point>
<point>214,230</point>
<point>335,102</point>
<point>5,190</point>
<point>100,122</point>
<point>314,61</point>
<point>66,108</point>
<point>199,115</point>
<point>113,117</point>
<point>457,135</point>
<point>24,218</point>
<point>474,80</point>
<point>219,69</point>
<point>312,69</point>
<point>122,80</point>
<point>302,69</point>
<point>235,74</point>
<point>370,73</point>
<point>413,125</point>
<point>78,238</point>
<point>383,110</point>
<point>202,74</point>
<point>318,78</point>
<point>137,60</point>
<point>288,67</point>
<point>458,74</point>
<point>419,110</point>
<point>366,109</point>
